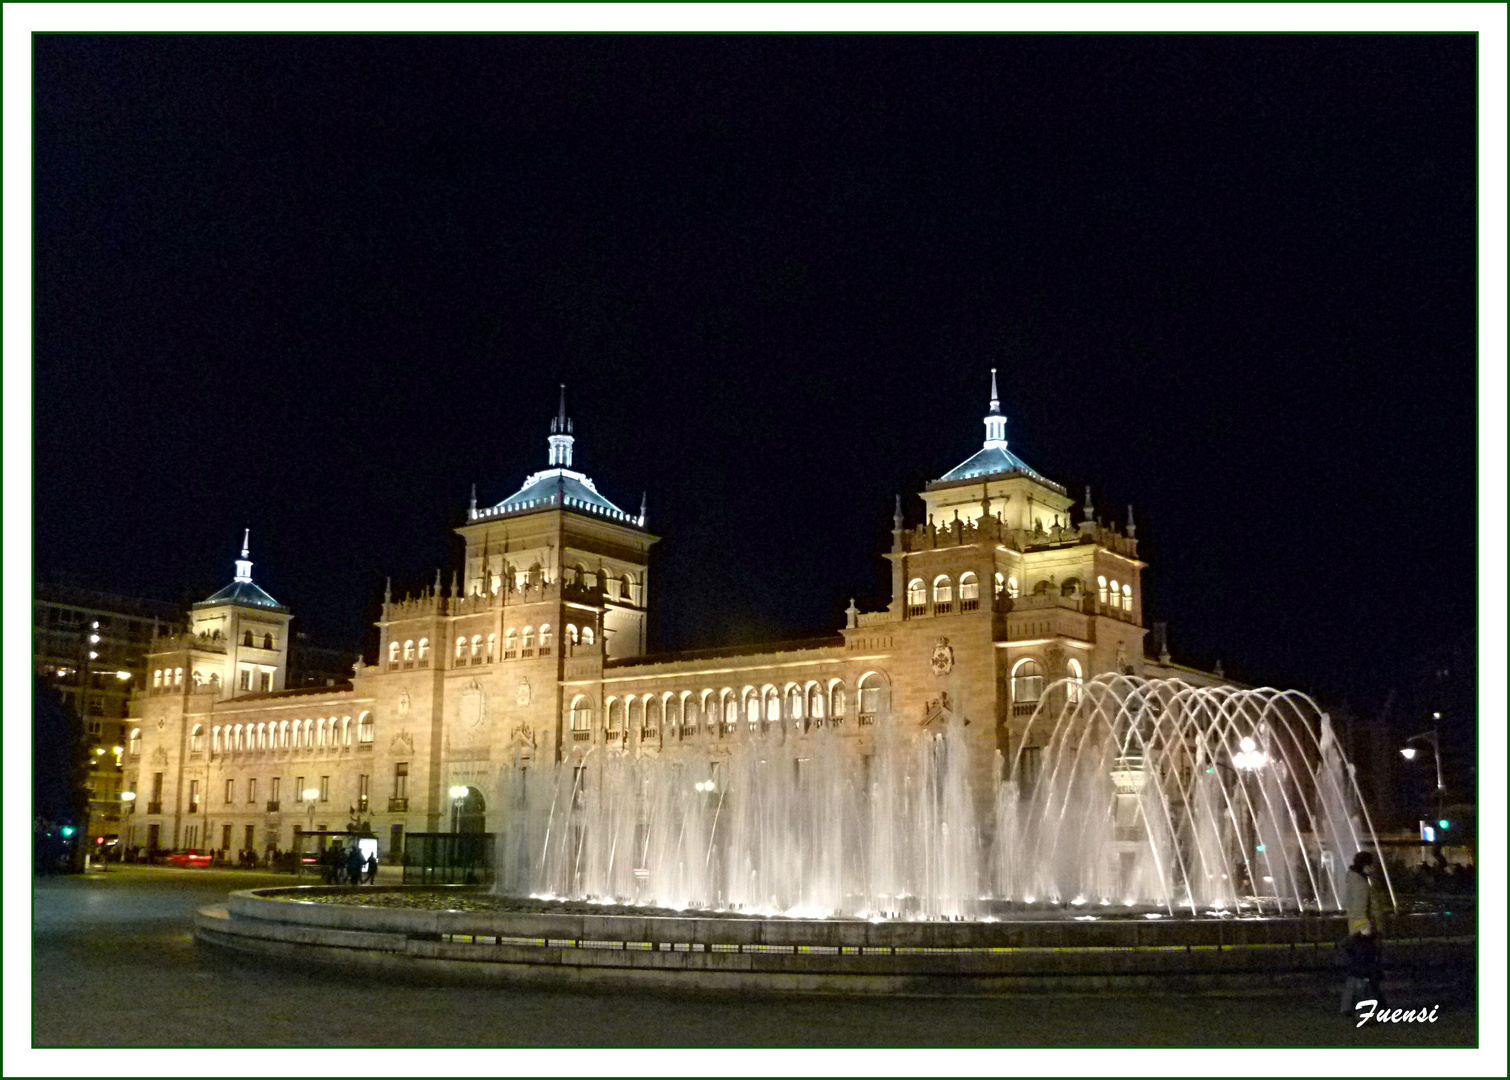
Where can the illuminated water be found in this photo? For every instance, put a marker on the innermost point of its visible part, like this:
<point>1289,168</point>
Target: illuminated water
<point>1123,792</point>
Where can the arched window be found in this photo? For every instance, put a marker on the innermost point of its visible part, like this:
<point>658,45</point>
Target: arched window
<point>510,643</point>
<point>476,646</point>
<point>943,595</point>
<point>345,730</point>
<point>178,676</point>
<point>731,712</point>
<point>196,739</point>
<point>157,679</point>
<point>614,718</point>
<point>134,744</point>
<point>794,703</point>
<point>772,706</point>
<point>1076,686</point>
<point>261,736</point>
<point>1001,585</point>
<point>283,735</point>
<point>587,635</point>
<point>267,641</point>
<point>492,647</point>
<point>571,638</point>
<point>710,712</point>
<point>215,680</point>
<point>217,742</point>
<point>836,701</point>
<point>527,641</point>
<point>240,738</point>
<point>246,638</point>
<point>653,710</point>
<point>1071,587</point>
<point>1012,588</point>
<point>364,729</point>
<point>870,697</point>
<point>815,708</point>
<point>1041,587</point>
<point>320,733</point>
<point>545,639</point>
<point>198,678</point>
<point>634,716</point>
<point>424,648</point>
<point>1127,598</point>
<point>917,597</point>
<point>1027,684</point>
<point>1101,589</point>
<point>752,708</point>
<point>969,592</point>
<point>626,589</point>
<point>461,646</point>
<point>393,652</point>
<point>581,719</point>
<point>409,650</point>
<point>677,711</point>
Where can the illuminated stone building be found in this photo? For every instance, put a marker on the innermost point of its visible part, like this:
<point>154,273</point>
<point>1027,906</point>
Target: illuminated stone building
<point>535,652</point>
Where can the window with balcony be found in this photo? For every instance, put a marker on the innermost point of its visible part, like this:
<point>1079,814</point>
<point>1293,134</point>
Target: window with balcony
<point>969,592</point>
<point>527,642</point>
<point>196,740</point>
<point>545,639</point>
<point>943,595</point>
<point>510,644</point>
<point>1027,686</point>
<point>917,597</point>
<point>364,729</point>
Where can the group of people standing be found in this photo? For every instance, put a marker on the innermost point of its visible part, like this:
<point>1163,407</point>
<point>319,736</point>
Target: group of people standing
<point>347,866</point>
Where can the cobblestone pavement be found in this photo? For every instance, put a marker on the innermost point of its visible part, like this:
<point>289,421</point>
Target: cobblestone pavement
<point>114,965</point>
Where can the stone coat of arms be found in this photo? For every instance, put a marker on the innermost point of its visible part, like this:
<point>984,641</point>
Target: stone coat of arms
<point>942,660</point>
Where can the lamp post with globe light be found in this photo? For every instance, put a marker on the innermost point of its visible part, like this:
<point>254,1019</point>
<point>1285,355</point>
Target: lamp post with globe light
<point>1248,760</point>
<point>1433,739</point>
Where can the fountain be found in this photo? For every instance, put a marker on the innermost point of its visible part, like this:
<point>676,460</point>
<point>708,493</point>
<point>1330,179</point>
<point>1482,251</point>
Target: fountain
<point>1119,791</point>
<point>1136,834</point>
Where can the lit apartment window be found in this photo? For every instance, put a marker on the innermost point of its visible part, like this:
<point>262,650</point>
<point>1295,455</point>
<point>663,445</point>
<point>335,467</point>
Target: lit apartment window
<point>246,679</point>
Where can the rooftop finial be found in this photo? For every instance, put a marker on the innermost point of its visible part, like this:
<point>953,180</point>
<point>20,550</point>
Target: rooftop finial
<point>996,423</point>
<point>643,496</point>
<point>472,509</point>
<point>244,564</point>
<point>1132,526</point>
<point>560,438</point>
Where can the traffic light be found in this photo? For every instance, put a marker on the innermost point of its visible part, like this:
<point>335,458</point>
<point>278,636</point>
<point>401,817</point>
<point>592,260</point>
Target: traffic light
<point>1444,824</point>
<point>67,830</point>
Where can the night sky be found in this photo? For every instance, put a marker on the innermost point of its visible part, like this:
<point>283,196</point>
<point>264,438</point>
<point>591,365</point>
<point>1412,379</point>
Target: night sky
<point>320,286</point>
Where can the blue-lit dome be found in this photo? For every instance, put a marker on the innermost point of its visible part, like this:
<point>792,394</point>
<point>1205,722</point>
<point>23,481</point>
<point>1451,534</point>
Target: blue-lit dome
<point>992,459</point>
<point>242,590</point>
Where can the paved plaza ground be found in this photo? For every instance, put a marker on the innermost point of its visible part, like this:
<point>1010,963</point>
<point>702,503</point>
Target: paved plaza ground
<point>114,964</point>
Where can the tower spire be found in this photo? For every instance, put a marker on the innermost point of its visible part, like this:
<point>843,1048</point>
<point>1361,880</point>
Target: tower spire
<point>244,564</point>
<point>472,509</point>
<point>996,423</point>
<point>560,438</point>
<point>643,499</point>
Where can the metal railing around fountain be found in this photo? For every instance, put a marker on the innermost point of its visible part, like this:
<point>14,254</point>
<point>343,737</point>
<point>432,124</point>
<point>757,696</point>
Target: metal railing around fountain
<point>448,858</point>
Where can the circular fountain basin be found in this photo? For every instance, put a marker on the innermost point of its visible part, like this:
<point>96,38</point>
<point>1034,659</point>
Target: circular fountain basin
<point>429,933</point>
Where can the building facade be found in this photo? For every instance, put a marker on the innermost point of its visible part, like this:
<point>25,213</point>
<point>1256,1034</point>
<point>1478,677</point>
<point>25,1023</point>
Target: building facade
<point>535,654</point>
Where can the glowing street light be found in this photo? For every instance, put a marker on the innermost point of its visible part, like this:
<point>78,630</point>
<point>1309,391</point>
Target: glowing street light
<point>1250,757</point>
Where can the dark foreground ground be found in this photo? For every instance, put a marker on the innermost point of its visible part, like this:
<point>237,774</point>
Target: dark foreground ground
<point>114,965</point>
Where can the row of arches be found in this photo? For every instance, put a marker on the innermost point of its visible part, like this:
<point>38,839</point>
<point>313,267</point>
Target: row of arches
<point>167,678</point>
<point>942,592</point>
<point>478,648</point>
<point>686,713</point>
<point>309,734</point>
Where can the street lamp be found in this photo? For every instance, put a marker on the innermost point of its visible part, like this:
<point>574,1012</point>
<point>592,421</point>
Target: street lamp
<point>1432,738</point>
<point>458,792</point>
